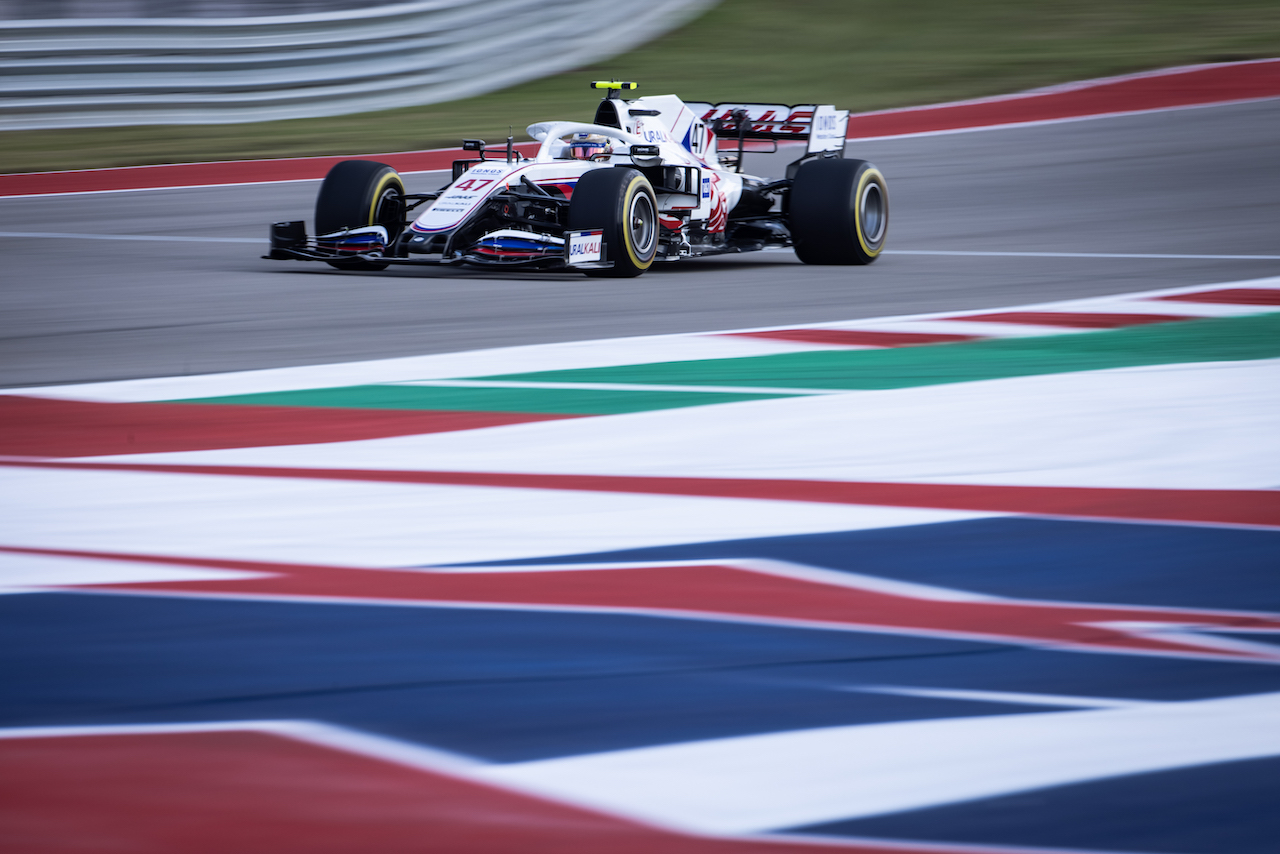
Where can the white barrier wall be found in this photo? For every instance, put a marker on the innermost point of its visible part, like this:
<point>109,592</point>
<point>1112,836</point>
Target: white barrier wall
<point>104,72</point>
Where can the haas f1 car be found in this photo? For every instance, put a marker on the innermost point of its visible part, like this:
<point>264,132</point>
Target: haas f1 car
<point>652,179</point>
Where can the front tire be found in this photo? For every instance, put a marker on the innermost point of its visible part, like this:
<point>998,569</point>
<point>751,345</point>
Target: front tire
<point>839,212</point>
<point>359,193</point>
<point>622,203</point>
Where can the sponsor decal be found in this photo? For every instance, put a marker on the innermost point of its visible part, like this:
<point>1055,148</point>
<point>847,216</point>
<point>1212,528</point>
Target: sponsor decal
<point>764,118</point>
<point>719,216</point>
<point>828,129</point>
<point>585,246</point>
<point>653,134</point>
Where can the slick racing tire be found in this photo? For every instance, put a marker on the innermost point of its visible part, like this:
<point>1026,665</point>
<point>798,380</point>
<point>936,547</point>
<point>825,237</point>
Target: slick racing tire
<point>357,193</point>
<point>839,212</point>
<point>621,202</point>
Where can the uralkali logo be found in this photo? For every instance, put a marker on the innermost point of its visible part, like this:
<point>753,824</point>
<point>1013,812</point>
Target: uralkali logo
<point>585,246</point>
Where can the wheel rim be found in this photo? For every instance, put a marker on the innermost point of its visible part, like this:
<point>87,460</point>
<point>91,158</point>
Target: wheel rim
<point>642,222</point>
<point>872,213</point>
<point>387,212</point>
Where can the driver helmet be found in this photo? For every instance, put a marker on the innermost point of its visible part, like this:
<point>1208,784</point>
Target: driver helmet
<point>590,146</point>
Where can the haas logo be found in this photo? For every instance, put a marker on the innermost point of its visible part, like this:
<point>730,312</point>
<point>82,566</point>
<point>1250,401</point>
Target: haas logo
<point>719,210</point>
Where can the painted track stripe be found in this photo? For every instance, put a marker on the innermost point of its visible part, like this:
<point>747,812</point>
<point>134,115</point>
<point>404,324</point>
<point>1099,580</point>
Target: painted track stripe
<point>313,787</point>
<point>1075,320</point>
<point>858,337</point>
<point>1160,90</point>
<point>761,782</point>
<point>46,427</point>
<point>1014,697</point>
<point>613,387</point>
<point>218,173</point>
<point>1245,507</point>
<point>1200,340</point>
<point>148,238</point>
<point>763,592</point>
<point>1151,256</point>
<point>1231,296</point>
<point>561,398</point>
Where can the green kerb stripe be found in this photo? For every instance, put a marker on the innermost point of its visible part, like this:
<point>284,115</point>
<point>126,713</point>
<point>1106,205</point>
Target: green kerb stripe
<point>1215,339</point>
<point>1207,340</point>
<point>544,401</point>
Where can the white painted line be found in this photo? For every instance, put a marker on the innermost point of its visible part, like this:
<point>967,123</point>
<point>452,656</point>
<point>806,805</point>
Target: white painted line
<point>1186,310</point>
<point>56,235</point>
<point>1117,255</point>
<point>792,779</point>
<point>1014,697</point>
<point>387,525</point>
<point>149,238</point>
<point>313,732</point>
<point>19,572</point>
<point>715,389</point>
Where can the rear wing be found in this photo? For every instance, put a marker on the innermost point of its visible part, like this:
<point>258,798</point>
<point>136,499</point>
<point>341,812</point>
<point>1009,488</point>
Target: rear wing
<point>822,127</point>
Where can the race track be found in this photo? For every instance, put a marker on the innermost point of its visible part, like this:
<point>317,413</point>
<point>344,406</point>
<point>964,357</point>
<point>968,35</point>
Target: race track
<point>1194,182</point>
<point>971,551</point>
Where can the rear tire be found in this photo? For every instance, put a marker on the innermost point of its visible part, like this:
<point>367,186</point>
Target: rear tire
<point>839,212</point>
<point>622,203</point>
<point>358,193</point>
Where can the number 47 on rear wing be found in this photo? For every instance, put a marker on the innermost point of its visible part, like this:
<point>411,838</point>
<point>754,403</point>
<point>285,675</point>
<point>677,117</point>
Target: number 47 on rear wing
<point>821,127</point>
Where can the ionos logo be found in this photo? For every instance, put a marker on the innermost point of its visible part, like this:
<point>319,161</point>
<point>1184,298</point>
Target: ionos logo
<point>828,129</point>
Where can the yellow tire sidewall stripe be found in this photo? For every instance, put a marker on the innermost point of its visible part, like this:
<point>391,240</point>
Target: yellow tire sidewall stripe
<point>636,186</point>
<point>383,182</point>
<point>863,180</point>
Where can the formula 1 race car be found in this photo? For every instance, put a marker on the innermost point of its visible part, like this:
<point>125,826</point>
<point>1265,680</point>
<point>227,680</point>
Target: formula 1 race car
<point>650,179</point>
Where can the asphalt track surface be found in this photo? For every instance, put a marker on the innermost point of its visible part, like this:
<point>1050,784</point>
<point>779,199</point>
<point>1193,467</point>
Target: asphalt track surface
<point>1203,181</point>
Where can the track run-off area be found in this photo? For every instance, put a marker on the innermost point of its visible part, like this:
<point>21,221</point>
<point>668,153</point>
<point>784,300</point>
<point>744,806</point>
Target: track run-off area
<point>974,549</point>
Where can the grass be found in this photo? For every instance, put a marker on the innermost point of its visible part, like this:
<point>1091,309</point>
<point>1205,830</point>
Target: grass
<point>857,54</point>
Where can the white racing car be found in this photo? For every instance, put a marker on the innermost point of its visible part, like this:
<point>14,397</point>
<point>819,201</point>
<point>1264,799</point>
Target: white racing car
<point>652,179</point>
